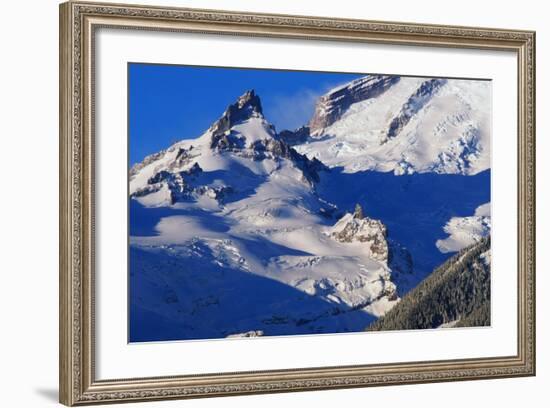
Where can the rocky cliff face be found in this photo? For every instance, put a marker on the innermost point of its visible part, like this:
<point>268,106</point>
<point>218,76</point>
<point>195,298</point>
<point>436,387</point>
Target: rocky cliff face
<point>295,137</point>
<point>276,148</point>
<point>334,104</point>
<point>247,105</point>
<point>181,185</point>
<point>413,105</point>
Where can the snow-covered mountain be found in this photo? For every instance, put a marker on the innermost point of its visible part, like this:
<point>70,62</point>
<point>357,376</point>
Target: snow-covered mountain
<point>404,125</point>
<point>241,145</point>
<point>229,237</point>
<point>244,231</point>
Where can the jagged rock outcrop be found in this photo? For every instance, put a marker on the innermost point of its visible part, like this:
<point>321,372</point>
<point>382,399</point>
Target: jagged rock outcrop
<point>178,184</point>
<point>414,104</point>
<point>333,105</point>
<point>239,207</point>
<point>357,227</point>
<point>246,107</point>
<point>145,162</point>
<point>295,137</point>
<point>278,149</point>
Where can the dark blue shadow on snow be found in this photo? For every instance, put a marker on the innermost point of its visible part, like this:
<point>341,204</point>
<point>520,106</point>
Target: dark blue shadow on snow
<point>198,300</point>
<point>269,249</point>
<point>415,208</point>
<point>143,220</point>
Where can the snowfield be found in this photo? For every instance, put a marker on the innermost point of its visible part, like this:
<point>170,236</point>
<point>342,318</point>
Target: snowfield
<point>465,231</point>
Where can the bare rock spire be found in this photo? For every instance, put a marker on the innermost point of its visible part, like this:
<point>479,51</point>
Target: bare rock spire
<point>358,213</point>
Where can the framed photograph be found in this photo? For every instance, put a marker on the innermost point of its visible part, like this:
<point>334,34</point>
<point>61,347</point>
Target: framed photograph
<point>256,203</point>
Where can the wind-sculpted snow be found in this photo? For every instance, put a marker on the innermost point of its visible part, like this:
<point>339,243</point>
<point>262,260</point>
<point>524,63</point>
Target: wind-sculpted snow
<point>194,277</point>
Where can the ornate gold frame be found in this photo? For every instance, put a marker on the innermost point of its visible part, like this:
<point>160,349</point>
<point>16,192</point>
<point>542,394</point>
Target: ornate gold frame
<point>78,20</point>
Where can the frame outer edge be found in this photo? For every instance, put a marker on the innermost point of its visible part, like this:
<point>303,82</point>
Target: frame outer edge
<point>77,385</point>
<point>527,203</point>
<point>534,237</point>
<point>66,372</point>
<point>531,166</point>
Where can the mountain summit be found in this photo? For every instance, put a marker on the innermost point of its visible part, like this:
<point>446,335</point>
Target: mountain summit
<point>247,106</point>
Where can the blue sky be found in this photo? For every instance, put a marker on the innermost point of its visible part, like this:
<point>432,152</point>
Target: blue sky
<point>168,103</point>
